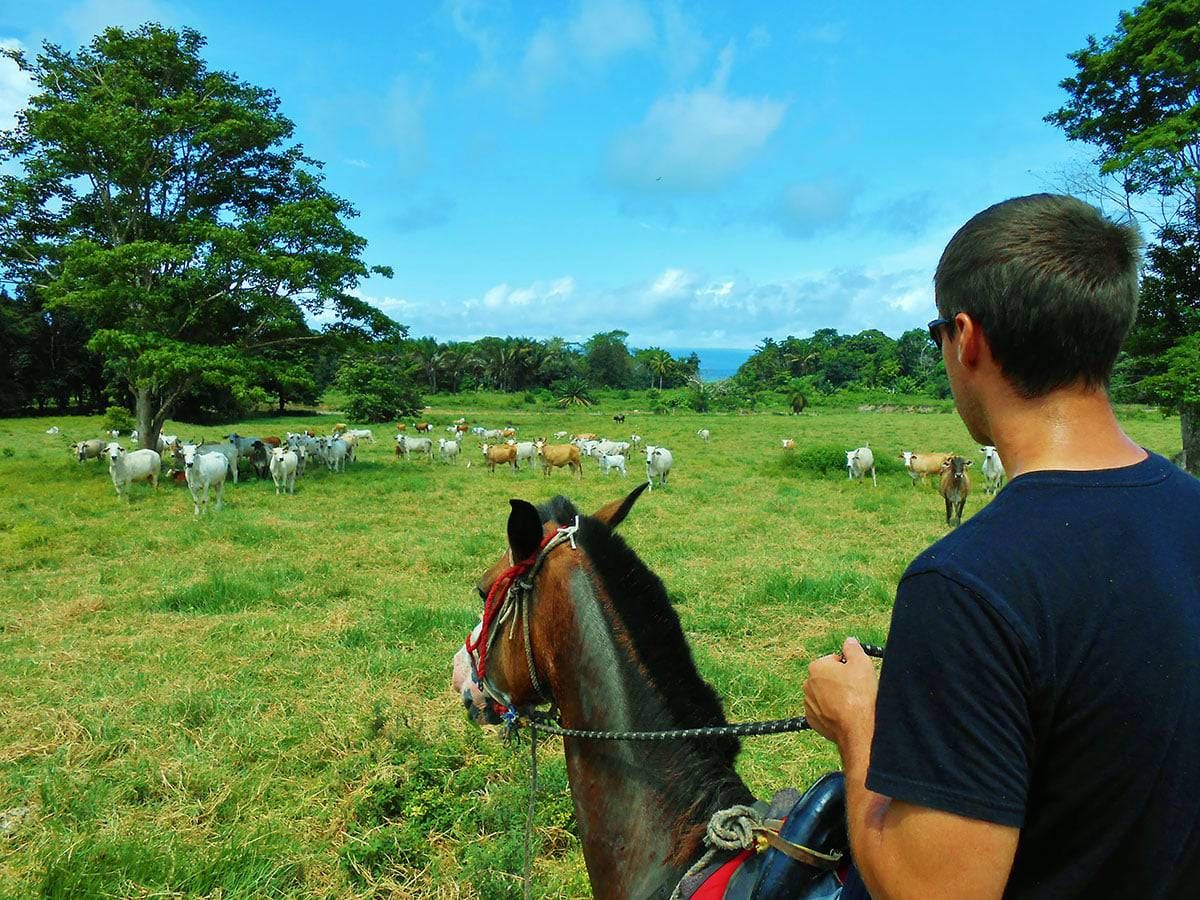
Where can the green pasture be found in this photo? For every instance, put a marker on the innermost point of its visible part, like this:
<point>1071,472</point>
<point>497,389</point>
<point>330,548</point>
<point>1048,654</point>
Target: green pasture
<point>256,703</point>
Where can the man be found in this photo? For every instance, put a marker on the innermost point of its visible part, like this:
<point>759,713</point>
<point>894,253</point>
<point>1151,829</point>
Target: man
<point>1035,731</point>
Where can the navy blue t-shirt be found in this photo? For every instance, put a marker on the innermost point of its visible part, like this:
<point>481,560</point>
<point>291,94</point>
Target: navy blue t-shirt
<point>1043,672</point>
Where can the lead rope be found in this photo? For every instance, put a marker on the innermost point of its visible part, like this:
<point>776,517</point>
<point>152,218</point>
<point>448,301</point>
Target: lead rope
<point>533,780</point>
<point>729,830</point>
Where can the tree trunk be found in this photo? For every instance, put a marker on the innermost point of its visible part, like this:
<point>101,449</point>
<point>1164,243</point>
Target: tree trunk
<point>1189,427</point>
<point>145,417</point>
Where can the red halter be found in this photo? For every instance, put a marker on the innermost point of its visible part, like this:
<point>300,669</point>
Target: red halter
<point>477,650</point>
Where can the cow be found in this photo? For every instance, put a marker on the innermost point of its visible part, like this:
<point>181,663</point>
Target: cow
<point>336,452</point>
<point>93,449</point>
<point>861,461</point>
<point>500,455</point>
<point>918,465</point>
<point>203,471</point>
<point>422,426</point>
<point>461,428</point>
<point>226,450</point>
<point>284,463</point>
<point>558,455</point>
<point>993,470</point>
<point>704,434</point>
<point>619,417</point>
<point>955,486</point>
<point>658,463</point>
<point>526,452</point>
<point>448,450</point>
<point>610,461</point>
<point>406,445</point>
<point>363,434</point>
<point>400,426</point>
<point>126,468</point>
<point>788,443</point>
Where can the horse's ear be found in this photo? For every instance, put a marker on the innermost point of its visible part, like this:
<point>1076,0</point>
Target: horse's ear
<point>524,530</point>
<point>613,514</point>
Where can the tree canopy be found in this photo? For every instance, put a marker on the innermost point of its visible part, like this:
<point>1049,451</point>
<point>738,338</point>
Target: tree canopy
<point>162,204</point>
<point>1135,97</point>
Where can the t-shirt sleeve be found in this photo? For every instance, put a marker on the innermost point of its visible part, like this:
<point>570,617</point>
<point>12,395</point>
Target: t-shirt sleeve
<point>953,730</point>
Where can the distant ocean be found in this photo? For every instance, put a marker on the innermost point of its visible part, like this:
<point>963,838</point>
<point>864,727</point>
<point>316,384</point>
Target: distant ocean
<point>715,362</point>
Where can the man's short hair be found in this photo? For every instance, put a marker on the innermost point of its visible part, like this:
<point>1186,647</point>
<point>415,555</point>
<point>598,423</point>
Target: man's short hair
<point>1051,282</point>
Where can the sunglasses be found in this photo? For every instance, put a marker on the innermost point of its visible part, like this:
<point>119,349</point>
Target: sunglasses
<point>935,330</point>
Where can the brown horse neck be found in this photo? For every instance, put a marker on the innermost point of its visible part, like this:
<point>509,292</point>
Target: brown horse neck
<point>642,807</point>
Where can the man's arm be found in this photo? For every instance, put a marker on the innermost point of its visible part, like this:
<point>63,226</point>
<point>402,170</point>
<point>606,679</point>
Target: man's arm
<point>901,850</point>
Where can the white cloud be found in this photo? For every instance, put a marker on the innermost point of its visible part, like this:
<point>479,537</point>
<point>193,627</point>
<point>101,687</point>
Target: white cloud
<point>672,283</point>
<point>357,163</point>
<point>692,141</point>
<point>16,86</point>
<point>683,44</point>
<point>504,297</point>
<point>605,28</point>
<point>681,308</point>
<point>599,31</point>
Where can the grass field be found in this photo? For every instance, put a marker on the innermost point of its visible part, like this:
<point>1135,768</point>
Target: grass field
<point>256,703</point>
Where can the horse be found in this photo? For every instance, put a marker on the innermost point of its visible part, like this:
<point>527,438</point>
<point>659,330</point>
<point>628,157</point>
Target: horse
<point>601,642</point>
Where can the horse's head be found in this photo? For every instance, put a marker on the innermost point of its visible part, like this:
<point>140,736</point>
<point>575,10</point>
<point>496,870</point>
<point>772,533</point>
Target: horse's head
<point>497,643</point>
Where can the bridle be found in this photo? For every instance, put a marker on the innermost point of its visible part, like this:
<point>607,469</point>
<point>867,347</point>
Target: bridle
<point>509,598</point>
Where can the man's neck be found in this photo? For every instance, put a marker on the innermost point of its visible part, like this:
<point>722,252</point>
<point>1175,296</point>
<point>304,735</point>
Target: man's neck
<point>1068,429</point>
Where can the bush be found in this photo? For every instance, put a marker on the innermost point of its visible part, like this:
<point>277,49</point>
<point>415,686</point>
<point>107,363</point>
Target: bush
<point>376,392</point>
<point>118,418</point>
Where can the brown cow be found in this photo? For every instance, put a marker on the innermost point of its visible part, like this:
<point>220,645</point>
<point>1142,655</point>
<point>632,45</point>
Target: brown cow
<point>558,455</point>
<point>340,427</point>
<point>400,426</point>
<point>918,465</point>
<point>500,454</point>
<point>423,426</point>
<point>462,428</point>
<point>272,440</point>
<point>956,486</point>
<point>508,432</point>
<point>588,436</point>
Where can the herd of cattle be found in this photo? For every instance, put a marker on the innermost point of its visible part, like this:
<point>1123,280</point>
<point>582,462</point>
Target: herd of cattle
<point>954,482</point>
<point>205,467</point>
<point>501,447</point>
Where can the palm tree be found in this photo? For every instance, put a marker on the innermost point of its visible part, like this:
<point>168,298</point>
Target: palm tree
<point>660,363</point>
<point>574,392</point>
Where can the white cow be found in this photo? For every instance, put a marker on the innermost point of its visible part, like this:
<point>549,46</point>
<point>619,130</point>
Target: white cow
<point>448,450</point>
<point>53,429</point>
<point>284,463</point>
<point>526,452</point>
<point>301,458</point>
<point>861,461</point>
<point>704,434</point>
<point>658,462</point>
<point>560,434</point>
<point>635,439</point>
<point>204,471</point>
<point>492,434</point>
<point>993,470</point>
<point>363,434</point>
<point>126,468</point>
<point>336,451</point>
<point>613,461</point>
<point>93,449</point>
<point>406,445</point>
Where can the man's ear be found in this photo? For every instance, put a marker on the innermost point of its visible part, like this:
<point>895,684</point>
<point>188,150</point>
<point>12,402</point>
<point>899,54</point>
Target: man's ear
<point>969,341</point>
<point>524,530</point>
<point>613,514</point>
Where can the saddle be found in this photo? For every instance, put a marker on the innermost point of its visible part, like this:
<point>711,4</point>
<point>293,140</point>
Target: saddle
<point>807,856</point>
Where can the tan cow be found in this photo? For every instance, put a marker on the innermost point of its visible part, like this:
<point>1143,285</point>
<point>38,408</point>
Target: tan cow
<point>918,465</point>
<point>499,455</point>
<point>400,426</point>
<point>423,426</point>
<point>589,436</point>
<point>788,443</point>
<point>558,455</point>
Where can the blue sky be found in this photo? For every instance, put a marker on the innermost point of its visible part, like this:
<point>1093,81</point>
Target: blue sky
<point>700,175</point>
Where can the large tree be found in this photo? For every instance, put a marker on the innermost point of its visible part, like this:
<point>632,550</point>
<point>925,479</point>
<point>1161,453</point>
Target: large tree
<point>1135,97</point>
<point>164,204</point>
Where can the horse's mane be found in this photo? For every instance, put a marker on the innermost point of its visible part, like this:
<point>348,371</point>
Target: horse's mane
<point>640,600</point>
